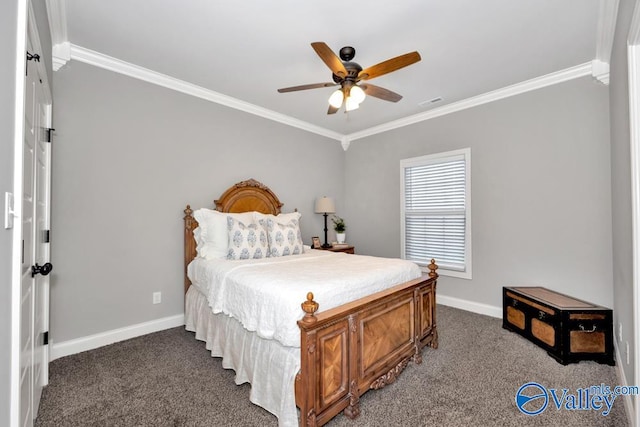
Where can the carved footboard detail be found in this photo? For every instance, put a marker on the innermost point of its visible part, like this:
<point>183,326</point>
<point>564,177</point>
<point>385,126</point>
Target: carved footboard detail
<point>353,410</point>
<point>360,346</point>
<point>389,377</point>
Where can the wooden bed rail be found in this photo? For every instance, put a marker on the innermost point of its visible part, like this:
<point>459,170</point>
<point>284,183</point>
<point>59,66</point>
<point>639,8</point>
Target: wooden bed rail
<point>362,345</point>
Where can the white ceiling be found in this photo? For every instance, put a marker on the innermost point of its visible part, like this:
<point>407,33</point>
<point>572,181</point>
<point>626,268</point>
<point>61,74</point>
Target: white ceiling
<point>247,50</point>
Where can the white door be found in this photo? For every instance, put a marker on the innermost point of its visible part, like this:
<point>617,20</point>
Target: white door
<point>34,286</point>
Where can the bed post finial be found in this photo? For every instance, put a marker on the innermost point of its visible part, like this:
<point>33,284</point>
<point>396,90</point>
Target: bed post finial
<point>309,307</point>
<point>432,268</point>
<point>188,212</point>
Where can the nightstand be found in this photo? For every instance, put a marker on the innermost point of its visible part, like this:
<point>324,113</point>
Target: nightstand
<point>346,249</point>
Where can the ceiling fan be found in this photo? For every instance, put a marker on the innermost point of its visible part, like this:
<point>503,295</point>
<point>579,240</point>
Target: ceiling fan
<point>348,75</point>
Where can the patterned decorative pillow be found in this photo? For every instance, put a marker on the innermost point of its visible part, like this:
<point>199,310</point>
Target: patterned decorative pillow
<point>246,241</point>
<point>284,239</point>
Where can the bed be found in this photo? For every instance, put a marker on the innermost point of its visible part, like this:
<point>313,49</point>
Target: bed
<point>321,361</point>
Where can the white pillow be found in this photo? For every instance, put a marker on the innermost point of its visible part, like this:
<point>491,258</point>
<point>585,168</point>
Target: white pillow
<point>212,238</point>
<point>284,239</point>
<point>283,218</point>
<point>246,241</point>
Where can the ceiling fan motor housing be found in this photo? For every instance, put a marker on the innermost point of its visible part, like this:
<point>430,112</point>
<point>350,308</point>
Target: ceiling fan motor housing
<point>347,53</point>
<point>353,69</point>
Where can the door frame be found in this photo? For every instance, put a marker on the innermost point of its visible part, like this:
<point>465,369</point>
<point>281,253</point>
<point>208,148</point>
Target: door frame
<point>633,63</point>
<point>18,133</point>
<point>25,21</point>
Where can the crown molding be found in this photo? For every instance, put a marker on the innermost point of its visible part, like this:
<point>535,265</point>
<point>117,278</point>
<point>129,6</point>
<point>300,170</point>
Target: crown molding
<point>345,141</point>
<point>57,16</point>
<point>100,60</point>
<point>516,89</point>
<point>63,51</point>
<point>600,71</point>
<point>60,55</point>
<point>106,62</point>
<point>607,17</point>
<point>634,31</point>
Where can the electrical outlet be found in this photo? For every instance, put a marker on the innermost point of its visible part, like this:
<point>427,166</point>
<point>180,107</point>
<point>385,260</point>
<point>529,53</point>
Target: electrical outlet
<point>157,297</point>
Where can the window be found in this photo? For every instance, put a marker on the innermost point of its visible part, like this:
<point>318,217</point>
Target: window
<point>436,211</point>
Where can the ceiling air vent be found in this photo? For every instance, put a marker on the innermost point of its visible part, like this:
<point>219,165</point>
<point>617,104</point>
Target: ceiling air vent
<point>429,102</point>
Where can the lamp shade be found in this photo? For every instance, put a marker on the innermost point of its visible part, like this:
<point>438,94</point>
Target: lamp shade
<point>351,104</point>
<point>336,98</point>
<point>357,94</point>
<point>325,205</point>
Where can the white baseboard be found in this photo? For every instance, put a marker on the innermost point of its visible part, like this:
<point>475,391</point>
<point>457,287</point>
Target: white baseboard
<point>474,307</point>
<point>78,345</point>
<point>628,399</point>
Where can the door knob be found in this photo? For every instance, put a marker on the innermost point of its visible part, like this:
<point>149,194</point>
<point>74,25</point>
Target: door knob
<point>41,269</point>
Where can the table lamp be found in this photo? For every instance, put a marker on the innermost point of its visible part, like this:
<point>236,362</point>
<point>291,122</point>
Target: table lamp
<point>325,206</point>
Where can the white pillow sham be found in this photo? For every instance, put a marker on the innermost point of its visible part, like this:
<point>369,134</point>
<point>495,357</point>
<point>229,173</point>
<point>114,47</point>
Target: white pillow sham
<point>283,218</point>
<point>212,239</point>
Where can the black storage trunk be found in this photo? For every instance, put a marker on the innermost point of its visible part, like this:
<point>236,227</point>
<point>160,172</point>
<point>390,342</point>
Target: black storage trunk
<point>569,329</point>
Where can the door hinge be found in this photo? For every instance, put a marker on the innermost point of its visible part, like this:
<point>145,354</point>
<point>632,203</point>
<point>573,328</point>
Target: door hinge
<point>46,238</point>
<point>49,130</point>
<point>31,57</point>
<point>45,338</point>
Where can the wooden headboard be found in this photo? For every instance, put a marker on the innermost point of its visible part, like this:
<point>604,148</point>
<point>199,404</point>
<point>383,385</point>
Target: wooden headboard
<point>245,196</point>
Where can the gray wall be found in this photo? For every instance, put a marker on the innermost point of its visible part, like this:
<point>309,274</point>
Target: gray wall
<point>540,191</point>
<point>120,184</point>
<point>621,187</point>
<point>128,156</point>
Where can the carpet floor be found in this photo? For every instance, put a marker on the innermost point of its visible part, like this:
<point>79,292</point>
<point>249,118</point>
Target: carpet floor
<point>169,379</point>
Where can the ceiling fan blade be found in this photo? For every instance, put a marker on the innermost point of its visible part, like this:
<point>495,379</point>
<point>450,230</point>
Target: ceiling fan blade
<point>389,65</point>
<point>305,87</point>
<point>331,59</point>
<point>332,109</point>
<point>380,92</point>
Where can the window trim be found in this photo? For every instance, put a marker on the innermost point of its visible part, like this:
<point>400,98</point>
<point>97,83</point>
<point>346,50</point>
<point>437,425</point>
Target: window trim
<point>435,158</point>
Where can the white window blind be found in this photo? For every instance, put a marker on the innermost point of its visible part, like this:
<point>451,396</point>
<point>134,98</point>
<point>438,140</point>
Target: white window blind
<point>435,204</point>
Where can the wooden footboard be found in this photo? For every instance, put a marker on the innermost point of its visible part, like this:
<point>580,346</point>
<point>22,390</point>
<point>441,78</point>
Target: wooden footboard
<point>362,345</point>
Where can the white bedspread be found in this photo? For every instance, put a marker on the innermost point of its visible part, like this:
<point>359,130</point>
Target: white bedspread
<point>264,295</point>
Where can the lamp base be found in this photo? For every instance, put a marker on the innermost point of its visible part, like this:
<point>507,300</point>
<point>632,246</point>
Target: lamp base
<point>326,244</point>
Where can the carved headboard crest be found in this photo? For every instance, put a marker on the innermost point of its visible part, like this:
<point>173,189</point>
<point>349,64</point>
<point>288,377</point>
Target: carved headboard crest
<point>247,196</point>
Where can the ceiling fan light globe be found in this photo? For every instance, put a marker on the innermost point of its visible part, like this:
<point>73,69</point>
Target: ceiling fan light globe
<point>357,94</point>
<point>351,104</point>
<point>336,98</point>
